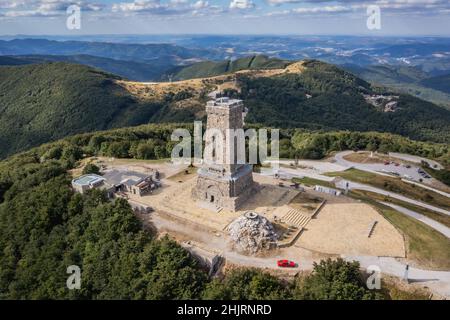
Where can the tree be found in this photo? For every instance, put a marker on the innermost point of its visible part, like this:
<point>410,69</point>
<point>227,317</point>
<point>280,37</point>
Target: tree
<point>91,168</point>
<point>246,284</point>
<point>145,150</point>
<point>334,280</point>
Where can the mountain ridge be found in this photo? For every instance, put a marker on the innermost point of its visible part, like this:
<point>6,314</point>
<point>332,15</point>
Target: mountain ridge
<point>45,102</point>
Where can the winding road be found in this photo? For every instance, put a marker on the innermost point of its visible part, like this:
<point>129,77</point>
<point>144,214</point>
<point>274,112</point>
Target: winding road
<point>429,222</point>
<point>343,184</point>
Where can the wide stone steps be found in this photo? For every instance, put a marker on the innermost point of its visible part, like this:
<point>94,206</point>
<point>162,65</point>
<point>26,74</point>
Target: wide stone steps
<point>296,218</point>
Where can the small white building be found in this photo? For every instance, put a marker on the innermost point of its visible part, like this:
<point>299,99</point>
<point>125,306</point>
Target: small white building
<point>92,181</point>
<point>327,190</point>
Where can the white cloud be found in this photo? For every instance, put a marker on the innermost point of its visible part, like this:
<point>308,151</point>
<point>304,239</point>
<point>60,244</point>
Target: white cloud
<point>200,4</point>
<point>139,5</point>
<point>43,8</point>
<point>155,7</point>
<point>326,9</point>
<point>242,4</point>
<point>280,2</point>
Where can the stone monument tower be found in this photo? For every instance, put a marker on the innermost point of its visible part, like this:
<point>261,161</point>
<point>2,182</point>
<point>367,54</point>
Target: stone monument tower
<point>227,183</point>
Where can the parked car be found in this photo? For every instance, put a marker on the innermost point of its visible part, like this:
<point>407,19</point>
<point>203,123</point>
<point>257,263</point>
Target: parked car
<point>286,264</point>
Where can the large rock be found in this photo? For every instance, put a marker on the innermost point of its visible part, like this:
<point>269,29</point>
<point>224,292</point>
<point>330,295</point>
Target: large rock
<point>252,233</point>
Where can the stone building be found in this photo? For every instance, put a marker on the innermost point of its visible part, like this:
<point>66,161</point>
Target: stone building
<point>224,182</point>
<point>92,181</point>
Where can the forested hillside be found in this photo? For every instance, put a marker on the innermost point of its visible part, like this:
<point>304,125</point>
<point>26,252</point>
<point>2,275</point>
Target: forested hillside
<point>410,80</point>
<point>441,83</point>
<point>213,68</point>
<point>120,51</point>
<point>46,102</point>
<point>133,70</point>
<point>336,102</point>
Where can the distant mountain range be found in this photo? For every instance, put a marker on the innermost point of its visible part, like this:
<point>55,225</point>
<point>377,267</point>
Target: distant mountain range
<point>133,70</point>
<point>119,51</point>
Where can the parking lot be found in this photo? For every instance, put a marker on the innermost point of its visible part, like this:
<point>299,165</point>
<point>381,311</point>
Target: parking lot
<point>396,167</point>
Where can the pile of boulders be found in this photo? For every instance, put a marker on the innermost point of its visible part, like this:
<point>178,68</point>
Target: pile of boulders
<point>252,233</point>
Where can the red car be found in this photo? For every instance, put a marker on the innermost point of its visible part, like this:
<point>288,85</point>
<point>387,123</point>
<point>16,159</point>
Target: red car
<point>386,163</point>
<point>286,264</point>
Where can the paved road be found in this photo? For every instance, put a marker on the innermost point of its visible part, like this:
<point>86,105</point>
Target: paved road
<point>359,186</point>
<point>438,281</point>
<point>289,173</point>
<point>430,222</point>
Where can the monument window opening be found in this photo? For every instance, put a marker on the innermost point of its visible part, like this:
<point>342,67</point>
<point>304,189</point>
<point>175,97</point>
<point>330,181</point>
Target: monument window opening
<point>235,148</point>
<point>212,199</point>
<point>214,148</point>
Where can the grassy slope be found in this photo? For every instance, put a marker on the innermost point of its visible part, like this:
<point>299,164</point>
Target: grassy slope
<point>394,185</point>
<point>425,245</point>
<point>439,217</point>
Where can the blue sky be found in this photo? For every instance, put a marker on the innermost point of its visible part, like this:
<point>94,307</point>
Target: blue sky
<point>398,17</point>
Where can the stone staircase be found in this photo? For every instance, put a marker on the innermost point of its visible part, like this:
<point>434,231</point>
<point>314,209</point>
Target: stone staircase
<point>296,218</point>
